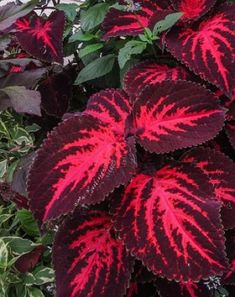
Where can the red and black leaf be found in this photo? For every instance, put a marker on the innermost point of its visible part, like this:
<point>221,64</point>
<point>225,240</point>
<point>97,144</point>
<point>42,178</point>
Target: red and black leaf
<point>173,115</point>
<point>111,106</point>
<point>172,289</point>
<point>229,276</point>
<point>230,131</point>
<point>7,194</point>
<point>141,290</point>
<point>28,261</point>
<point>132,21</point>
<point>169,220</point>
<point>11,11</point>
<point>81,162</point>
<point>55,92</point>
<point>142,275</point>
<point>149,73</point>
<point>88,259</point>
<point>208,49</point>
<point>27,78</point>
<point>221,172</point>
<point>193,9</point>
<point>230,126</point>
<point>42,38</point>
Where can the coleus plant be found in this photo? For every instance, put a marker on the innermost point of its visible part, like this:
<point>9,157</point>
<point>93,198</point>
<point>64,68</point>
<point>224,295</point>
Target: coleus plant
<point>138,173</point>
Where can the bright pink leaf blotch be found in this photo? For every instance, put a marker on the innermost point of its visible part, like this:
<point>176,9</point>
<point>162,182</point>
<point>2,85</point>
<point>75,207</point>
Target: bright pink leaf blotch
<point>42,38</point>
<point>221,172</point>
<point>193,9</point>
<point>149,73</point>
<point>173,115</point>
<point>89,260</point>
<point>83,159</point>
<point>169,220</point>
<point>133,20</point>
<point>208,49</point>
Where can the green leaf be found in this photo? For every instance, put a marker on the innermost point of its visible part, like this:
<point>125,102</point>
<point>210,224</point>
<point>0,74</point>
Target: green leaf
<point>70,10</point>
<point>19,245</point>
<point>29,279</point>
<point>143,38</point>
<point>4,42</point>
<point>13,278</point>
<point>35,292</point>
<point>3,254</point>
<point>223,291</point>
<point>28,223</point>
<point>21,290</point>
<point>4,218</point>
<point>95,69</point>
<point>47,239</point>
<point>91,48</point>
<point>40,276</point>
<point>169,21</point>
<point>119,7</point>
<point>32,128</point>
<point>3,168</point>
<point>11,169</point>
<point>44,275</point>
<point>132,47</point>
<point>93,16</point>
<point>81,36</point>
<point>3,287</point>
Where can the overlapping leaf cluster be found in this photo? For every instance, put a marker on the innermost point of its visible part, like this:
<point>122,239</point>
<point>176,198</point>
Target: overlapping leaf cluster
<point>144,173</point>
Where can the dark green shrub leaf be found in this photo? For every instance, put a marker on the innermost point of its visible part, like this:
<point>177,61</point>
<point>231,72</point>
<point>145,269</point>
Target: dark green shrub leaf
<point>28,222</point>
<point>44,275</point>
<point>90,49</point>
<point>169,21</point>
<point>132,47</point>
<point>3,254</point>
<point>93,16</point>
<point>19,245</point>
<point>81,36</point>
<point>96,68</point>
<point>35,292</point>
<point>70,10</point>
<point>3,168</point>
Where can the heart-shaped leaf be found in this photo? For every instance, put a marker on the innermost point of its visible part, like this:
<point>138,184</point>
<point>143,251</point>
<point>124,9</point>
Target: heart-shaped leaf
<point>42,38</point>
